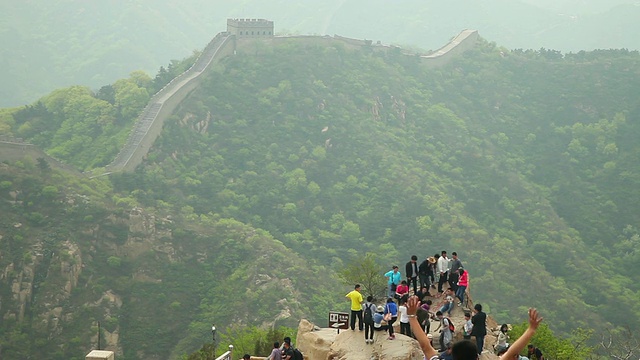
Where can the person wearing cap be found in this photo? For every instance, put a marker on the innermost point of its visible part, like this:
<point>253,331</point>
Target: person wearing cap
<point>394,280</point>
<point>378,317</point>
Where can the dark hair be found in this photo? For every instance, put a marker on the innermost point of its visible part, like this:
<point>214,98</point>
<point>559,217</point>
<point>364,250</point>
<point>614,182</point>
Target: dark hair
<point>404,282</point>
<point>502,351</point>
<point>429,302</point>
<point>478,307</point>
<point>530,346</point>
<point>504,326</point>
<point>246,356</point>
<point>454,253</point>
<point>464,350</point>
<point>357,286</point>
<point>467,314</point>
<point>287,340</point>
<point>444,252</point>
<point>461,271</point>
<point>276,344</point>
<point>438,313</point>
<point>369,298</point>
<point>437,256</point>
<point>414,257</point>
<point>389,300</point>
<point>394,267</point>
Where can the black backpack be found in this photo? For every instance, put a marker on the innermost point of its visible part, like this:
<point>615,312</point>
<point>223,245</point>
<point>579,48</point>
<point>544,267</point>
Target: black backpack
<point>297,355</point>
<point>368,314</point>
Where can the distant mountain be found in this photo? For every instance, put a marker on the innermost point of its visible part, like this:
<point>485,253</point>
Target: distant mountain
<point>47,45</point>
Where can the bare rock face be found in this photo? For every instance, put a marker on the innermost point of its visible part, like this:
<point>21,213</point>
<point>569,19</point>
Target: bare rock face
<point>327,344</point>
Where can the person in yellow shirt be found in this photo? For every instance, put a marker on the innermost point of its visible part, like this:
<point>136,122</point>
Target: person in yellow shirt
<point>356,308</point>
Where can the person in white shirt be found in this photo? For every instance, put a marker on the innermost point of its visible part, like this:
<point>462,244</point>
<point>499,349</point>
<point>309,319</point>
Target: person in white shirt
<point>405,328</point>
<point>442,268</point>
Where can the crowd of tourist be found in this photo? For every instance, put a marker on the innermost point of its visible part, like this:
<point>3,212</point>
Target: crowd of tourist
<point>411,301</point>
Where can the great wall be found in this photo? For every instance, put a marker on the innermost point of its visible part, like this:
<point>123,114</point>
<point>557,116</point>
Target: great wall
<point>237,39</point>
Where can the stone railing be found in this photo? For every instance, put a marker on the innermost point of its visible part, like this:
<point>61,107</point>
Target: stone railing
<point>227,355</point>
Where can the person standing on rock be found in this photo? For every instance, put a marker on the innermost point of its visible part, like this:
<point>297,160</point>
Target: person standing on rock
<point>411,269</point>
<point>454,265</point>
<point>446,336</point>
<point>463,285</point>
<point>443,270</point>
<point>479,330</point>
<point>425,272</point>
<point>392,309</point>
<point>369,311</point>
<point>394,280</point>
<point>356,307</point>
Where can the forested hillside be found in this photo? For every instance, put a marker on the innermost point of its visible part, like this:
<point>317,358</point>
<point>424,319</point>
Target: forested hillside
<point>52,44</point>
<point>291,161</point>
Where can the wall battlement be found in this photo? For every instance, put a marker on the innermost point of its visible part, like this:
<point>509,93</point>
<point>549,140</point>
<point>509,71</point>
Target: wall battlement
<point>242,28</point>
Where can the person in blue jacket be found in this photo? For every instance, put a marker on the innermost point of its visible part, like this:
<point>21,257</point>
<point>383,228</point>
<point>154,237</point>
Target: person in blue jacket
<point>394,280</point>
<point>391,308</point>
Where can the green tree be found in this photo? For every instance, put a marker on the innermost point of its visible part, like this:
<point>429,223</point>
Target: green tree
<point>365,270</point>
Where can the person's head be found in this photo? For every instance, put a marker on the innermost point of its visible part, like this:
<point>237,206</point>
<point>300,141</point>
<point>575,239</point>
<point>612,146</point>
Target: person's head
<point>464,350</point>
<point>380,309</point>
<point>478,307</point>
<point>437,256</point>
<point>428,302</point>
<point>443,253</point>
<point>502,351</point>
<point>370,298</point>
<point>357,287</point>
<point>450,291</point>
<point>402,301</point>
<point>403,282</point>
<point>504,328</point>
<point>395,268</point>
<point>460,271</point>
<point>414,258</point>
<point>276,344</point>
<point>287,340</point>
<point>454,255</point>
<point>467,315</point>
<point>287,345</point>
<point>389,300</point>
<point>530,348</point>
<point>439,314</point>
<point>246,357</point>
<point>424,289</point>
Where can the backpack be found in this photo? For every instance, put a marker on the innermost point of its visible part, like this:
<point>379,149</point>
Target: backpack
<point>452,327</point>
<point>297,355</point>
<point>368,314</point>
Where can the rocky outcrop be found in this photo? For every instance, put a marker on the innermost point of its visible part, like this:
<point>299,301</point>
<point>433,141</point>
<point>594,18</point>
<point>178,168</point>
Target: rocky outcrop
<point>326,344</point>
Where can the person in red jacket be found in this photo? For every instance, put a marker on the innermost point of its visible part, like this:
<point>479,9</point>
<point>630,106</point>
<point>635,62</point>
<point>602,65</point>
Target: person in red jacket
<point>463,284</point>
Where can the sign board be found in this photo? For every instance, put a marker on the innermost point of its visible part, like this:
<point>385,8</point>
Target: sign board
<point>338,320</point>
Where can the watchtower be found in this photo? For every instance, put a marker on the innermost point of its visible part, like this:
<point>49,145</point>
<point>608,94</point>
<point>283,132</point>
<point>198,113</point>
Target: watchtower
<point>251,28</point>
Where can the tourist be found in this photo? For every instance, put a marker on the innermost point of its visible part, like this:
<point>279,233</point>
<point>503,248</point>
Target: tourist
<point>369,310</point>
<point>479,330</point>
<point>448,303</point>
<point>394,280</point>
<point>534,353</point>
<point>392,309</point>
<point>356,307</point>
<point>454,265</point>
<point>446,336</point>
<point>276,354</point>
<point>411,269</point>
<point>425,272</point>
<point>468,325</point>
<point>463,285</point>
<point>443,270</point>
<point>503,337</point>
<point>402,291</point>
<point>405,328</point>
<point>378,318</point>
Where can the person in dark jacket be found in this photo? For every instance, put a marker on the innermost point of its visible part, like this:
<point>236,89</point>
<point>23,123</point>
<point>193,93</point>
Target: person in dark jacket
<point>411,269</point>
<point>425,271</point>
<point>479,330</point>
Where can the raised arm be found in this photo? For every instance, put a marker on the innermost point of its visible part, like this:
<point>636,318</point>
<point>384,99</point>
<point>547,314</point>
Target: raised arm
<point>523,340</point>
<point>418,332</point>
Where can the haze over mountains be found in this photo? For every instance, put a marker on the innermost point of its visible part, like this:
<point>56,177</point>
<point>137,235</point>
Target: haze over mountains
<point>47,45</point>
